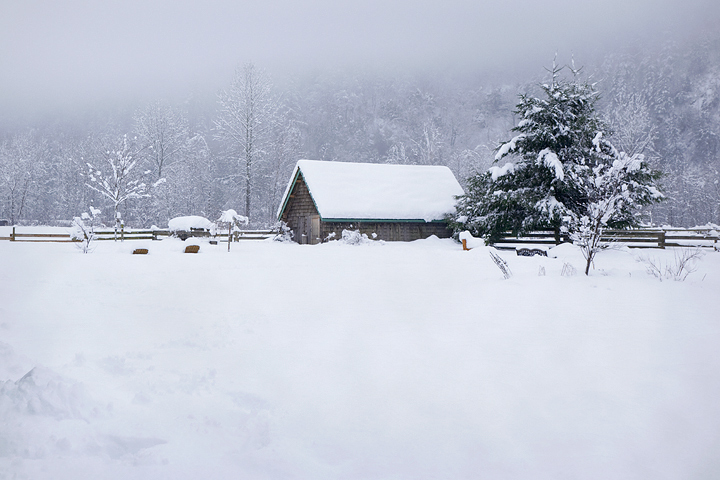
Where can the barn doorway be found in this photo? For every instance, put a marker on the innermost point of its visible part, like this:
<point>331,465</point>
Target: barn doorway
<point>314,229</point>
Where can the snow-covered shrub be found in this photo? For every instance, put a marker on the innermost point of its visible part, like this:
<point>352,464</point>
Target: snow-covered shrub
<point>678,268</point>
<point>354,237</point>
<point>83,229</point>
<point>282,232</point>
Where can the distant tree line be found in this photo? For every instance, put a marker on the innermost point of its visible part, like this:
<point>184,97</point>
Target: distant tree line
<point>237,150</point>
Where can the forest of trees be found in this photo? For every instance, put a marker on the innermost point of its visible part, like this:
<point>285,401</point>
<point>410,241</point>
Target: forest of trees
<point>237,149</point>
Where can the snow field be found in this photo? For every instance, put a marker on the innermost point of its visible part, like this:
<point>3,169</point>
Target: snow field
<point>382,360</point>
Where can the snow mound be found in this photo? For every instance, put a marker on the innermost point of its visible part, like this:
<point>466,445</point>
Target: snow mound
<point>12,365</point>
<point>189,222</point>
<point>470,241</point>
<point>43,392</point>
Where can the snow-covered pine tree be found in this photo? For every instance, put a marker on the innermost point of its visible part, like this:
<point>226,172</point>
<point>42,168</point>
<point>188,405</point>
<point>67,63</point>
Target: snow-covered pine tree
<point>565,174</point>
<point>534,191</point>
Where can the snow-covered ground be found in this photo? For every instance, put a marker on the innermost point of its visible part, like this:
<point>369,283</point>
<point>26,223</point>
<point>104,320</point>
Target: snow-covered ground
<point>382,360</point>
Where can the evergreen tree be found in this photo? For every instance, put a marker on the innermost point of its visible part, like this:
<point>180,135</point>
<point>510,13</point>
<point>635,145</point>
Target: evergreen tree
<point>566,175</point>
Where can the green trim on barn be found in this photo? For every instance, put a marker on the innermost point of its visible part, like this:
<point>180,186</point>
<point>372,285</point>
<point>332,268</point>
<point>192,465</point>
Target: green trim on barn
<point>378,220</point>
<point>290,191</point>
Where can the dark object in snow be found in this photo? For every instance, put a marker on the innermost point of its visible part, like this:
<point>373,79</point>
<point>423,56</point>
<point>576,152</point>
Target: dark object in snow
<point>140,251</point>
<point>192,249</point>
<point>190,226</point>
<point>530,252</point>
<point>194,232</point>
<point>213,242</point>
<point>4,223</point>
<point>501,264</point>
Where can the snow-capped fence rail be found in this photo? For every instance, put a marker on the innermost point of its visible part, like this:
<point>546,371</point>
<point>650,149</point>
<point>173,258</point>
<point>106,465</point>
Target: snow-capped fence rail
<point>645,238</point>
<point>131,234</point>
<point>37,237</point>
<point>122,234</point>
<point>251,235</point>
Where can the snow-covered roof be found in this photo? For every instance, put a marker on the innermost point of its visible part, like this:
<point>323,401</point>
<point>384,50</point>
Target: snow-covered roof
<point>371,191</point>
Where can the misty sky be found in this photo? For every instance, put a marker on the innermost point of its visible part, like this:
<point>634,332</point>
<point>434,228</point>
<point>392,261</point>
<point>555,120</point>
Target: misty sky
<point>60,53</point>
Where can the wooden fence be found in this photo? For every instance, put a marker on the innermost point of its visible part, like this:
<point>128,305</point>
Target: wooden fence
<point>646,238</point>
<point>159,234</point>
<point>642,238</point>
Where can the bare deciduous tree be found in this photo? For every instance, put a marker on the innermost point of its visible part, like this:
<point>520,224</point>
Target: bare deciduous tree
<point>119,182</point>
<point>244,123</point>
<point>21,160</point>
<point>162,136</point>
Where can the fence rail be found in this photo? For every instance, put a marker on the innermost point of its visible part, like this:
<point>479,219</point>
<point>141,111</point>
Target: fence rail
<point>642,238</point>
<point>122,235</point>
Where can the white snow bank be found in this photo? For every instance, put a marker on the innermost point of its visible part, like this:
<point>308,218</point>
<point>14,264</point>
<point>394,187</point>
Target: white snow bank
<point>43,392</point>
<point>365,191</point>
<point>408,361</point>
<point>470,241</point>
<point>12,365</point>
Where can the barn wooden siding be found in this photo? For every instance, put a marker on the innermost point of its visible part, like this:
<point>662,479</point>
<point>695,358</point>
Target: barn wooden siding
<point>390,231</point>
<point>300,210</point>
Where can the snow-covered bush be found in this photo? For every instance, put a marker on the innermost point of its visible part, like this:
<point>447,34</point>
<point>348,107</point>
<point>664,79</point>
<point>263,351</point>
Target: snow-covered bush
<point>282,232</point>
<point>83,229</point>
<point>354,237</point>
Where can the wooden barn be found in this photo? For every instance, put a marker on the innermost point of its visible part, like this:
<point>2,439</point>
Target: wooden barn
<point>394,202</point>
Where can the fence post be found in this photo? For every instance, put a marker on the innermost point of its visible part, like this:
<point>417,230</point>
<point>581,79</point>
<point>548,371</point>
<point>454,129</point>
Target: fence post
<point>12,235</point>
<point>661,239</point>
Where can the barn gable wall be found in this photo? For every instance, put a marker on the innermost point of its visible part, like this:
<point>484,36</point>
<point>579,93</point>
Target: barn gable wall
<point>299,210</point>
